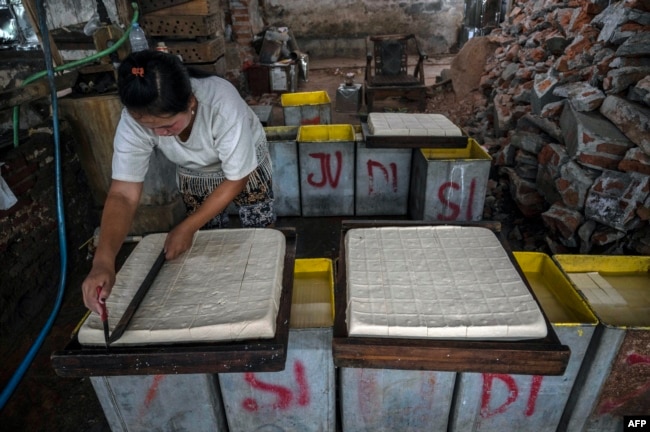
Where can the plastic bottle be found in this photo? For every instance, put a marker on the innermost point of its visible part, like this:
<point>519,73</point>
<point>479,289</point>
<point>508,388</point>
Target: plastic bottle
<point>138,39</point>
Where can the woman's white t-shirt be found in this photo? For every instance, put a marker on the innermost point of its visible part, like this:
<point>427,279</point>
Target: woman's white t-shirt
<point>224,138</point>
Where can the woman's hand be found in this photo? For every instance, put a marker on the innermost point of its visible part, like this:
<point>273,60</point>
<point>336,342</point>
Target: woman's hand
<point>178,240</point>
<point>102,276</point>
<point>119,210</point>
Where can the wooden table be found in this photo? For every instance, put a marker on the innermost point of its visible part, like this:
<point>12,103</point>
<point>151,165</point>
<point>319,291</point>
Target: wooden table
<point>545,356</point>
<point>263,355</point>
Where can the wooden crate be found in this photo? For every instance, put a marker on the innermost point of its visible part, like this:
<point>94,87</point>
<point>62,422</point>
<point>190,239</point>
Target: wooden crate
<point>183,26</point>
<point>147,6</point>
<point>198,51</point>
<point>192,7</point>
<point>218,67</point>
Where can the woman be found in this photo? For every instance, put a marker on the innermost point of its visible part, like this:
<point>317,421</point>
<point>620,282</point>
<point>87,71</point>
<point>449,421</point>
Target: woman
<point>200,123</point>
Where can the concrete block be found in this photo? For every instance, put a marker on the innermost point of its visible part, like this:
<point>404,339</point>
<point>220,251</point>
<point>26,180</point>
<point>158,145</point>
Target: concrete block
<point>525,194</point>
<point>550,160</point>
<point>635,160</point>
<point>619,80</point>
<point>573,184</point>
<point>542,93</point>
<point>503,115</point>
<point>582,96</point>
<point>611,20</point>
<point>528,141</point>
<point>641,91</point>
<point>543,122</point>
<point>637,45</point>
<point>592,134</point>
<point>563,221</point>
<point>614,198</point>
<point>631,118</point>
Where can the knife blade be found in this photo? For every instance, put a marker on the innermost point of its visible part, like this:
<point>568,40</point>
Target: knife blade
<point>137,298</point>
<point>103,315</point>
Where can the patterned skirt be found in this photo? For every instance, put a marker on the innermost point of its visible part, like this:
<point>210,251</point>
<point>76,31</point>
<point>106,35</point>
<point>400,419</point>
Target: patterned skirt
<point>254,203</point>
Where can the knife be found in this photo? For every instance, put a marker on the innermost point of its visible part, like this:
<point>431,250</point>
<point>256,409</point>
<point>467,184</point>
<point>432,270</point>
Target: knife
<point>103,315</point>
<point>137,298</point>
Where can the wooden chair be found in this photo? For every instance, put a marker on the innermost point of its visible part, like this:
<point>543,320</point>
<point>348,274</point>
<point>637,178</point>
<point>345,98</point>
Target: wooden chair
<point>387,69</point>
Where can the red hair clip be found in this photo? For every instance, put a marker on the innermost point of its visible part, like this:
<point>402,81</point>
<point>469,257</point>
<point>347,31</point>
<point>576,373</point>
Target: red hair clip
<point>138,71</point>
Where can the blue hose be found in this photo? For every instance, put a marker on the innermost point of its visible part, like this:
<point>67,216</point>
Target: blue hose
<point>22,368</point>
<point>40,11</point>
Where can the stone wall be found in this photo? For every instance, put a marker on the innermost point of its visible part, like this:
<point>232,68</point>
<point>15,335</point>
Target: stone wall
<point>569,120</point>
<point>337,28</point>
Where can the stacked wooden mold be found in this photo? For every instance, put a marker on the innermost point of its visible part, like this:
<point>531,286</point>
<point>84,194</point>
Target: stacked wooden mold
<point>193,29</point>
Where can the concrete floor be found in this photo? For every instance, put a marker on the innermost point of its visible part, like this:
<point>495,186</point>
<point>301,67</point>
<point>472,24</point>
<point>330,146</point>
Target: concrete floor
<point>44,401</point>
<point>328,74</point>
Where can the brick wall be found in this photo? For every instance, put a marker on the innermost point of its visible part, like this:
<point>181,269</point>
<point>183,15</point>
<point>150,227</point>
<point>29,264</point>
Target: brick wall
<point>29,239</point>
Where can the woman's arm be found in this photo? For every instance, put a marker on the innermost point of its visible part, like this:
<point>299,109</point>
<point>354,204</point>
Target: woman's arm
<point>180,238</point>
<point>117,217</point>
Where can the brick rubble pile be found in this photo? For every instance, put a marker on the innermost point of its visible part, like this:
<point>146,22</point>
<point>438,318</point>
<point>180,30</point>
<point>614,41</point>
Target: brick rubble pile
<point>568,121</point>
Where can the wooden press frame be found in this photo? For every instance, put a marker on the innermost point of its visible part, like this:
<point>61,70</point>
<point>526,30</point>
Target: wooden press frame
<point>545,356</point>
<point>259,355</point>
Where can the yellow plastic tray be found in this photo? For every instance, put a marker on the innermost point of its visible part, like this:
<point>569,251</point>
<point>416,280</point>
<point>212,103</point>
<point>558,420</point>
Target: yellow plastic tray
<point>312,303</point>
<point>560,301</point>
<point>323,133</point>
<point>305,98</point>
<point>616,287</point>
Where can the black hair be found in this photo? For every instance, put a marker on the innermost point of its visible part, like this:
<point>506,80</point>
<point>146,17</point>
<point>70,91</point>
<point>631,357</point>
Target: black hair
<point>154,83</point>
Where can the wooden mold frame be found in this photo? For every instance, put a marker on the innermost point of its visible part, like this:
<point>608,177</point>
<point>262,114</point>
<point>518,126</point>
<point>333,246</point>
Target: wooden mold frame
<point>260,355</point>
<point>545,356</point>
<point>183,26</point>
<point>191,7</point>
<point>154,5</point>
<point>198,51</point>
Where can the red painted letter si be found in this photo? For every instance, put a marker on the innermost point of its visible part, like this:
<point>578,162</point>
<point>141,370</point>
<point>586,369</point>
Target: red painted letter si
<point>454,207</point>
<point>284,395</point>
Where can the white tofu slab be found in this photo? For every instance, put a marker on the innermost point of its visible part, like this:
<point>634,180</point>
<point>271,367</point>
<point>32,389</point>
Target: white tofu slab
<point>411,124</point>
<point>597,289</point>
<point>442,282</point>
<point>226,287</point>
